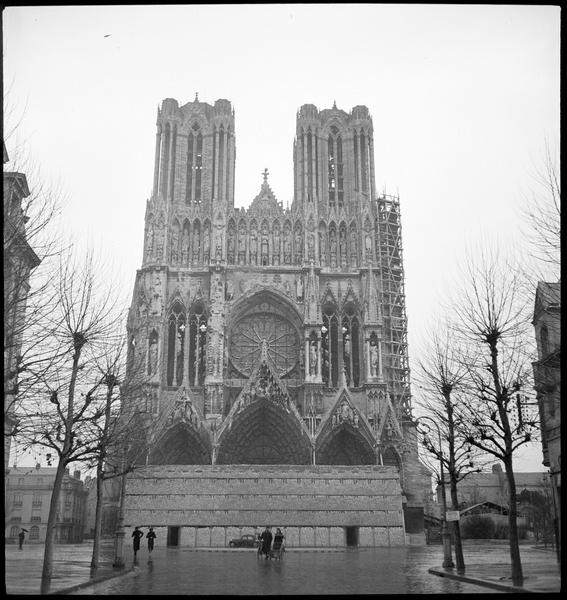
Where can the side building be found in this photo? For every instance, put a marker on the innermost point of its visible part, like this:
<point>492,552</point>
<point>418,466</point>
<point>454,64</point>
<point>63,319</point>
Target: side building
<point>547,383</point>
<point>28,496</point>
<point>19,261</point>
<point>273,342</point>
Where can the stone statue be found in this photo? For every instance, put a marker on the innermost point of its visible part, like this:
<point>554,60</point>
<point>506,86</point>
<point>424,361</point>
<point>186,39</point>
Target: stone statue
<point>299,287</point>
<point>342,246</point>
<point>311,246</point>
<point>159,238</point>
<point>206,245</point>
<point>276,247</point>
<point>373,360</point>
<point>150,239</point>
<point>368,245</point>
<point>156,295</point>
<point>153,357</point>
<point>253,246</point>
<point>174,246</point>
<point>322,249</point>
<point>313,358</point>
<point>196,244</point>
<point>185,247</point>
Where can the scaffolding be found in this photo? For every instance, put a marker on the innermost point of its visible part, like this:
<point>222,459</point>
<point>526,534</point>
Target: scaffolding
<point>395,346</point>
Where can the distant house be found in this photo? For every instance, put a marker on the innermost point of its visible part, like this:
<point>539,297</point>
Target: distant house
<point>28,496</point>
<point>477,488</point>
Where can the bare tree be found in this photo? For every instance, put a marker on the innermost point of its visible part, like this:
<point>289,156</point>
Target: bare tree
<point>441,375</point>
<point>115,426</point>
<point>32,243</point>
<point>492,322</point>
<point>542,215</point>
<point>82,318</point>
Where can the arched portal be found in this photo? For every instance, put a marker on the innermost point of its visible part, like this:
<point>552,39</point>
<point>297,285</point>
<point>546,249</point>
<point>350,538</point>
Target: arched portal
<point>181,445</point>
<point>345,445</point>
<point>267,434</point>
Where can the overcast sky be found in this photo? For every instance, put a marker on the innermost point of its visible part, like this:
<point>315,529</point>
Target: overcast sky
<point>463,101</point>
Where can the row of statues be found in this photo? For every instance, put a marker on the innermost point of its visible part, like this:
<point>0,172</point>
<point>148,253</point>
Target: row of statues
<point>260,247</point>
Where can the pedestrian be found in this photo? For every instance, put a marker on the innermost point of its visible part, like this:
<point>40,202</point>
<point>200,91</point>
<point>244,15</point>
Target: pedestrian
<point>278,543</point>
<point>137,534</point>
<point>21,536</point>
<point>151,535</point>
<point>266,538</point>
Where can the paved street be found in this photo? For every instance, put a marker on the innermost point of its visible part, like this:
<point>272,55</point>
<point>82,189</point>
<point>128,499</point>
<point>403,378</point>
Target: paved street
<point>308,571</point>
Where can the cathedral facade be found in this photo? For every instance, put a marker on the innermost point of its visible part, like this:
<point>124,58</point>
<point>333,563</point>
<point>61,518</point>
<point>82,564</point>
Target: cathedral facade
<point>271,339</point>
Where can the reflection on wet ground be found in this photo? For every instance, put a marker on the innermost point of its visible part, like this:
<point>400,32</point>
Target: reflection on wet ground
<point>364,571</point>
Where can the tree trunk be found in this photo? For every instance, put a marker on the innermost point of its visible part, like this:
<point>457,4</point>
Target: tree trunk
<point>517,575</point>
<point>98,515</point>
<point>47,571</point>
<point>110,382</point>
<point>459,558</point>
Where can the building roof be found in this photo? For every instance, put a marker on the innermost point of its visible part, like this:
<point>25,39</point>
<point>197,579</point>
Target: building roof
<point>548,296</point>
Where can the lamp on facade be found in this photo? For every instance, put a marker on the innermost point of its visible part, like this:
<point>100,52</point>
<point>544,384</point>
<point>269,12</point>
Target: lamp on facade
<point>447,559</point>
<point>182,328</point>
<point>323,330</point>
<point>203,328</point>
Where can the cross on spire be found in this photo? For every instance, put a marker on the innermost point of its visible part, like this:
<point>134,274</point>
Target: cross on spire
<point>196,96</point>
<point>265,174</point>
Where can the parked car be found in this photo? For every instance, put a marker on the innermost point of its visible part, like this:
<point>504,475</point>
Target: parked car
<point>244,541</point>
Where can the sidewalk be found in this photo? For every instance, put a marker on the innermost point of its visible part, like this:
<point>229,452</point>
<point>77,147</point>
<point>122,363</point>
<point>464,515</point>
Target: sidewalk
<point>71,567</point>
<point>541,571</point>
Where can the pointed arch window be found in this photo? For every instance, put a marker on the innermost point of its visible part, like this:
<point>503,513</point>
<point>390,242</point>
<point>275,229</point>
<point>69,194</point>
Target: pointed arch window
<point>194,165</point>
<point>544,341</point>
<point>175,345</point>
<point>335,167</point>
<point>166,141</point>
<point>330,346</point>
<point>351,345</point>
<point>197,344</point>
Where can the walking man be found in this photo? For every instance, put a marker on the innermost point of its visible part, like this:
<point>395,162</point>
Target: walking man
<point>266,538</point>
<point>151,535</point>
<point>21,537</point>
<point>137,534</point>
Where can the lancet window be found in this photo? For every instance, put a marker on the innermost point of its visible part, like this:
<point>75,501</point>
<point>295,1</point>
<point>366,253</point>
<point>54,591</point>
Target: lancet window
<point>166,141</point>
<point>351,345</point>
<point>330,346</point>
<point>175,344</point>
<point>197,344</point>
<point>194,165</point>
<point>335,168</point>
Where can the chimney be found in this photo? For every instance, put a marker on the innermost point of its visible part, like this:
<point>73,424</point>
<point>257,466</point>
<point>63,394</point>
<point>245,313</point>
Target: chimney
<point>77,474</point>
<point>37,466</point>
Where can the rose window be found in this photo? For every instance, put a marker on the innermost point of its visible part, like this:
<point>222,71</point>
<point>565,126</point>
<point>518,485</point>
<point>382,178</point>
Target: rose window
<point>268,331</point>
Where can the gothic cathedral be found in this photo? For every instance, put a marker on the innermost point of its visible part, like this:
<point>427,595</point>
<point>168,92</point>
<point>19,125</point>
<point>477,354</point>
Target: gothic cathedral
<point>272,336</point>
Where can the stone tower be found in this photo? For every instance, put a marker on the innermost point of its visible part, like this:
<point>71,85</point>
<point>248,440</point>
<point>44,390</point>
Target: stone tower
<point>272,336</point>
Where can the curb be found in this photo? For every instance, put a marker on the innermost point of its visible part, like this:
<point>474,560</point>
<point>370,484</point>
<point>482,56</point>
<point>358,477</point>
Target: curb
<point>79,586</point>
<point>480,582</point>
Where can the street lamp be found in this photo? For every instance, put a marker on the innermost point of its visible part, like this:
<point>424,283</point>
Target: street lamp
<point>120,533</point>
<point>446,536</point>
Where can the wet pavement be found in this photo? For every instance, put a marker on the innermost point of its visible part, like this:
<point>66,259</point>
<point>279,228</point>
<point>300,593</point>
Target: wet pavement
<point>405,570</point>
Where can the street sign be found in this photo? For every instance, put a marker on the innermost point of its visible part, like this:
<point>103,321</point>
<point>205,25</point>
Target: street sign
<point>452,515</point>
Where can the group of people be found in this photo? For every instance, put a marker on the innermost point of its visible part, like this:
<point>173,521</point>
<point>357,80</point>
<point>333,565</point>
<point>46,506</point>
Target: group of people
<point>137,534</point>
<point>265,547</point>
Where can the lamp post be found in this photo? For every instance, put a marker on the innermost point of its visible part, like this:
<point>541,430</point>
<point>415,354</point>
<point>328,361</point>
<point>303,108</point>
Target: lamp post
<point>446,536</point>
<point>120,533</point>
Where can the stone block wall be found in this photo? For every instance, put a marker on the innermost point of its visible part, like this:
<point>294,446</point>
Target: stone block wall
<point>312,504</point>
